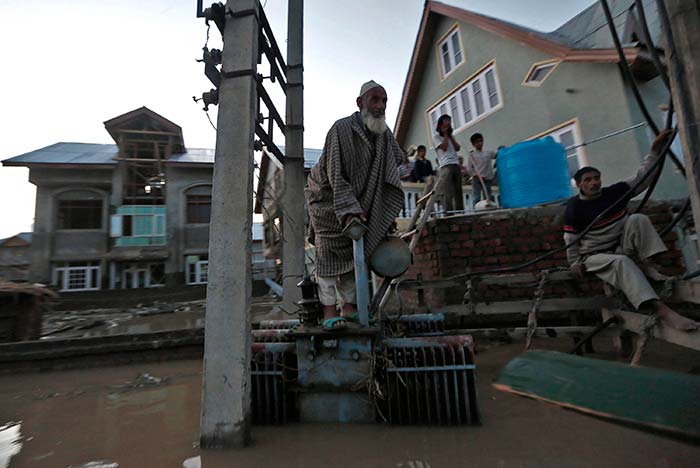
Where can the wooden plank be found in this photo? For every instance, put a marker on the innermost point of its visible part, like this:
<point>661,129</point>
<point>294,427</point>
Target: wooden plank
<point>648,398</point>
<point>523,307</point>
<point>518,278</point>
<point>148,132</point>
<point>634,322</point>
<point>517,333</point>
<point>425,197</point>
<point>412,285</point>
<point>506,280</point>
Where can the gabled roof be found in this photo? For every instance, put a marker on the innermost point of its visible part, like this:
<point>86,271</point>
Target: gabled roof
<point>144,118</point>
<point>560,43</point>
<point>96,156</point>
<point>22,239</point>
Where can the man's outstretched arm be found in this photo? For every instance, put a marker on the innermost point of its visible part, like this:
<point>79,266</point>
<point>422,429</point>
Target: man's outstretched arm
<point>649,161</point>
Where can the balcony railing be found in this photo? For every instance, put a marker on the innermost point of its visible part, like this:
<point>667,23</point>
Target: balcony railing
<point>412,192</point>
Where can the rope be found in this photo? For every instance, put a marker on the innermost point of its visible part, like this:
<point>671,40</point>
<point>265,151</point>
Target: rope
<point>647,332</point>
<point>532,316</point>
<point>469,297</point>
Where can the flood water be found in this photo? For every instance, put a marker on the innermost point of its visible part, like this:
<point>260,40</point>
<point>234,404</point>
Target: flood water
<point>147,416</point>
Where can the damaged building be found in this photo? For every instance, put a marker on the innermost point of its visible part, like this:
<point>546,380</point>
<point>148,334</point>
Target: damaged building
<point>133,214</point>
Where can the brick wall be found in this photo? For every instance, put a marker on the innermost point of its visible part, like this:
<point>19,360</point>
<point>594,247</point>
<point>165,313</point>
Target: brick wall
<point>480,242</point>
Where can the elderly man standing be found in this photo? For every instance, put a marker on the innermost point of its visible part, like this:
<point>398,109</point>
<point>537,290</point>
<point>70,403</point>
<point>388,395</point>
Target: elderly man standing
<point>356,177</point>
<point>612,245</point>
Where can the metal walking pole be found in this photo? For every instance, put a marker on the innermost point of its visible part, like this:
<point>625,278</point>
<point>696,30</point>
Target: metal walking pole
<point>356,231</point>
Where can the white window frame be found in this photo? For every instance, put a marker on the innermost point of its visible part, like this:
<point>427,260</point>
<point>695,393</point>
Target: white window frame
<point>449,40</point>
<point>556,133</point>
<point>198,274</point>
<point>89,271</point>
<point>484,91</point>
<point>528,81</point>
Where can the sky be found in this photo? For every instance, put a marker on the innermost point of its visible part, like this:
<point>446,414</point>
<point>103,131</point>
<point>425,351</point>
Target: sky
<point>68,66</point>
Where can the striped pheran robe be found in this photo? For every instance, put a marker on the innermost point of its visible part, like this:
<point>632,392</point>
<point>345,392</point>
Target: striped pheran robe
<point>357,173</point>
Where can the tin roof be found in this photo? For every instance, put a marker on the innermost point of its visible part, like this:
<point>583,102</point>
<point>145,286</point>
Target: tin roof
<point>589,29</point>
<point>67,153</point>
<point>194,156</point>
<point>104,154</point>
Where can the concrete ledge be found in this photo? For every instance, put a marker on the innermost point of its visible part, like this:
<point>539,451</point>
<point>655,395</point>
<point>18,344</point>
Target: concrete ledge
<point>43,355</point>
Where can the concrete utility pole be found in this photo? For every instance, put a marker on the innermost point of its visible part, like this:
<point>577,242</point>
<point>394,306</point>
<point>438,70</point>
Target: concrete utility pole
<point>227,339</point>
<point>682,36</point>
<point>293,197</point>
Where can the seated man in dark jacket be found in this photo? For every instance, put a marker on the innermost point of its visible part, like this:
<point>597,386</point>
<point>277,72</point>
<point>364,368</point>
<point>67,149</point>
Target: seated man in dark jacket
<point>608,249</point>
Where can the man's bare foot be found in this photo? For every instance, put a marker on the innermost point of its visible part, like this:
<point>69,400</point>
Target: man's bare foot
<point>329,311</point>
<point>348,310</point>
<point>672,319</point>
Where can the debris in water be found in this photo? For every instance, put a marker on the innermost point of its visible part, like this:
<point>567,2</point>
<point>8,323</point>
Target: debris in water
<point>97,464</point>
<point>143,380</point>
<point>194,462</point>
<point>10,442</point>
<point>43,456</point>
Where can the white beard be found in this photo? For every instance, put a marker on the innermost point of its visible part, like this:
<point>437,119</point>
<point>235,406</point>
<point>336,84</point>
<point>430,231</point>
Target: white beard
<point>376,125</point>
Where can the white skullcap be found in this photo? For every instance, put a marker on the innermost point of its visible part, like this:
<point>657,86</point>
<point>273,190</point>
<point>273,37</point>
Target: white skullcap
<point>371,84</point>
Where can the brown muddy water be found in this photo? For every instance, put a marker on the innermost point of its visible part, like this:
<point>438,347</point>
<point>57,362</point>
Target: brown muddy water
<point>147,416</point>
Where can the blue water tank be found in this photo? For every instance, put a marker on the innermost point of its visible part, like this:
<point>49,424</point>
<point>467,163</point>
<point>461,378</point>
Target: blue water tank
<point>532,172</point>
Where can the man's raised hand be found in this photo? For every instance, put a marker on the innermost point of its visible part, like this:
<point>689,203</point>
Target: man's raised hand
<point>661,139</point>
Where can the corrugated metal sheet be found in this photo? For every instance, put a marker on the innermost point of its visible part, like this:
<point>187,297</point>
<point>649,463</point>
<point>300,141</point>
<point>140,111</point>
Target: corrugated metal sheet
<point>311,156</point>
<point>68,153</point>
<point>258,231</point>
<point>194,156</point>
<point>589,29</point>
<point>95,153</point>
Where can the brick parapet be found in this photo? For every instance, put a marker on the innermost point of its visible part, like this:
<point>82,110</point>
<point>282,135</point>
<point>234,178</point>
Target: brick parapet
<point>506,238</point>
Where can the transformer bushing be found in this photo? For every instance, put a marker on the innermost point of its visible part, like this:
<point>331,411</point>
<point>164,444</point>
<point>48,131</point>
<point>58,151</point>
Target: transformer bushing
<point>310,305</point>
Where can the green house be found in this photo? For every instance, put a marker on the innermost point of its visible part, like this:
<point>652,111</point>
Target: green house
<point>511,84</point>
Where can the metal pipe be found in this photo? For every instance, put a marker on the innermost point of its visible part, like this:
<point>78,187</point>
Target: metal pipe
<point>200,11</point>
<point>604,137</point>
<point>361,280</point>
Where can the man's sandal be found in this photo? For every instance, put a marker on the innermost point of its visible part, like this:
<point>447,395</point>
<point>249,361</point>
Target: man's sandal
<point>352,317</point>
<point>335,323</point>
